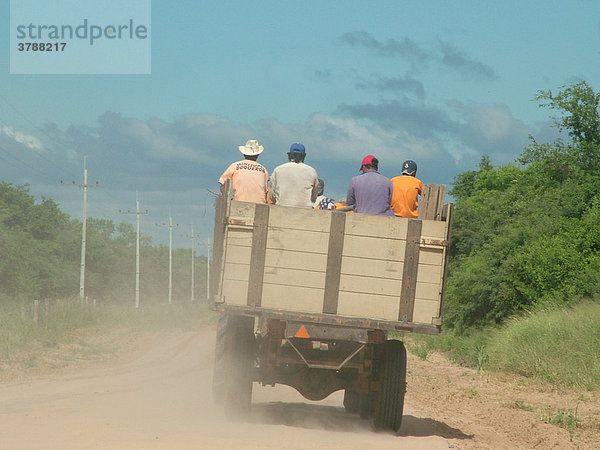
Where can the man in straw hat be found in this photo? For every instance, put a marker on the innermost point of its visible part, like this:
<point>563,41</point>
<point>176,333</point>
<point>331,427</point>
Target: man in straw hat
<point>249,178</point>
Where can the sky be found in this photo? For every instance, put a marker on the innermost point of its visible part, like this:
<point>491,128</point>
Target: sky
<point>438,82</point>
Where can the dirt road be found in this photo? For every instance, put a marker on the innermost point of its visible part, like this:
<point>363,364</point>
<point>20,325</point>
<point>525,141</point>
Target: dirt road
<point>158,397</point>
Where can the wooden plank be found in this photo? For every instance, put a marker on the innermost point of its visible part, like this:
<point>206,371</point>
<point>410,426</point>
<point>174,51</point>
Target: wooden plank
<point>433,256</point>
<point>428,291</point>
<point>434,229</point>
<point>376,226</point>
<point>368,267</point>
<point>235,292</point>
<point>425,311</point>
<point>368,305</point>
<point>259,247</point>
<point>299,219</point>
<point>295,277</point>
<point>409,274</point>
<point>238,255</point>
<point>449,213</point>
<point>367,285</point>
<point>334,262</point>
<point>374,248</point>
<point>292,298</point>
<point>218,254</point>
<point>241,211</point>
<point>238,272</point>
<point>239,237</point>
<point>432,201</point>
<point>429,273</point>
<point>295,260</point>
<point>298,240</point>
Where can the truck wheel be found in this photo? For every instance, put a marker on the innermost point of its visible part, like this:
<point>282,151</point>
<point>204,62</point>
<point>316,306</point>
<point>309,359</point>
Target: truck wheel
<point>240,365</point>
<point>390,399</point>
<point>220,364</point>
<point>367,405</point>
<point>351,401</point>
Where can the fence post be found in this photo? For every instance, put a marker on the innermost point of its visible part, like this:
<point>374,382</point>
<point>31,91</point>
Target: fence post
<point>36,311</point>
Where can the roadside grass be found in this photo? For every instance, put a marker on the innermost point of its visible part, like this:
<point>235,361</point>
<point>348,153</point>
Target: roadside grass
<point>49,324</point>
<point>560,345</point>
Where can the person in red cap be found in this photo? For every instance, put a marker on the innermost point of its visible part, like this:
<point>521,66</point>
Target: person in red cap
<point>407,188</point>
<point>370,192</point>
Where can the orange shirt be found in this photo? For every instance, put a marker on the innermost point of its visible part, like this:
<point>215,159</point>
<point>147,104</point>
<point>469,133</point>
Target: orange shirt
<point>405,196</point>
<point>249,181</point>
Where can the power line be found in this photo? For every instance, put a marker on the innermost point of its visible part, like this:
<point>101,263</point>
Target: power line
<point>170,226</point>
<point>137,248</point>
<point>83,226</point>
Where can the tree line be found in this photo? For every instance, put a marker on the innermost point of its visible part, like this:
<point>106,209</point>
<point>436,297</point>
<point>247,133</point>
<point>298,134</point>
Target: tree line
<point>40,247</point>
<point>527,234</point>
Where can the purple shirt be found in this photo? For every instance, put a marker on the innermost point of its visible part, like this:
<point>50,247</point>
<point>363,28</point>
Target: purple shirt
<point>371,193</point>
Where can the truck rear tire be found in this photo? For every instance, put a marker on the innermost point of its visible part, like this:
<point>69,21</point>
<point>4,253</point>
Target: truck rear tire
<point>351,401</point>
<point>220,364</point>
<point>390,399</point>
<point>234,363</point>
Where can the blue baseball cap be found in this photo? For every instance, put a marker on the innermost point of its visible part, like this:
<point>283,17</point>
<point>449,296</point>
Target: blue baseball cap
<point>297,148</point>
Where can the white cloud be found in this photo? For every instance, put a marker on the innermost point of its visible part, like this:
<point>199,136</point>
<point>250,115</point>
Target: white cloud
<point>27,140</point>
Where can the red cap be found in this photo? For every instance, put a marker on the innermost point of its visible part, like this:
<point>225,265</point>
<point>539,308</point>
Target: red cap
<point>367,160</point>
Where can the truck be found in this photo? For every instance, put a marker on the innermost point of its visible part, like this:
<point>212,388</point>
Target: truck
<point>315,299</point>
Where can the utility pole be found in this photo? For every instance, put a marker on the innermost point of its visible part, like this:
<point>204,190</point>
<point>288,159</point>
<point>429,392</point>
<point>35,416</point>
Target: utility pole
<point>208,270</point>
<point>137,248</point>
<point>83,227</point>
<point>170,226</point>
<point>193,237</point>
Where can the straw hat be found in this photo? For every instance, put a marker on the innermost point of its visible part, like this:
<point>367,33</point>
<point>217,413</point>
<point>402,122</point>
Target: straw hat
<point>251,148</point>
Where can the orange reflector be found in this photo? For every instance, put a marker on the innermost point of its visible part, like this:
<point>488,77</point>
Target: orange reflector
<point>302,333</point>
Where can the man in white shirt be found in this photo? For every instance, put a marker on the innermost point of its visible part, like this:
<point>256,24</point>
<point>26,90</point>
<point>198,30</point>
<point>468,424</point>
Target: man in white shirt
<point>294,183</point>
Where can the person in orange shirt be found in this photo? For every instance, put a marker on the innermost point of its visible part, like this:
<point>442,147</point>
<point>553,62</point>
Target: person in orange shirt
<point>249,178</point>
<point>407,188</point>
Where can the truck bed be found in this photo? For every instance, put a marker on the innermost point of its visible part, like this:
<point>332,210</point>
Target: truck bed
<point>332,267</point>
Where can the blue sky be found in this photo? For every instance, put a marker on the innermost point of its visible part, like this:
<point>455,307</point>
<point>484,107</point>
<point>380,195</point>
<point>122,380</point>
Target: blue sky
<point>440,82</point>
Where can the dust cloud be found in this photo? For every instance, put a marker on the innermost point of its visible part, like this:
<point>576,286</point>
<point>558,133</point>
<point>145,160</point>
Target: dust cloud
<point>160,398</point>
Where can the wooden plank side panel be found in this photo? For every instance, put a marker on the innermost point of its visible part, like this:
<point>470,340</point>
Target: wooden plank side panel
<point>428,291</point>
<point>433,229</point>
<point>241,210</point>
<point>236,272</point>
<point>432,201</point>
<point>257,258</point>
<point>368,285</point>
<point>239,237</point>
<point>284,259</point>
<point>295,277</point>
<point>373,306</point>
<point>298,240</point>
<point>235,292</point>
<point>368,267</point>
<point>410,271</point>
<point>219,247</point>
<point>374,248</point>
<point>376,226</point>
<point>300,219</point>
<point>449,213</point>
<point>238,255</point>
<point>425,310</point>
<point>292,298</point>
<point>334,262</point>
